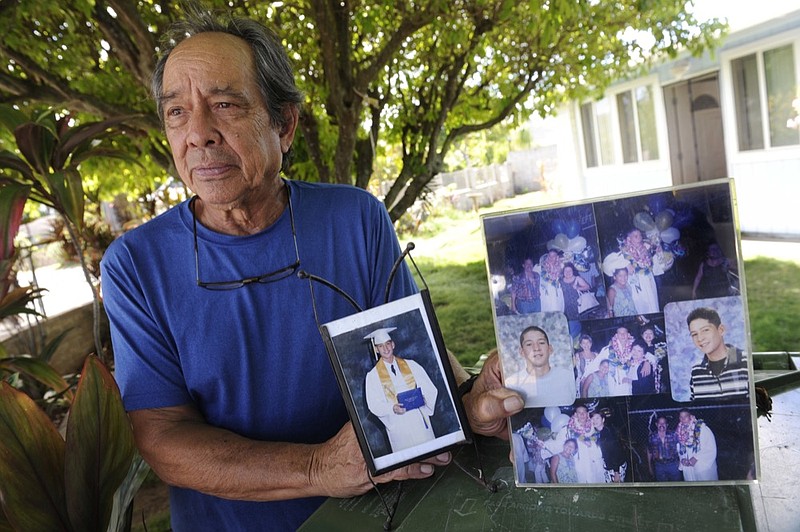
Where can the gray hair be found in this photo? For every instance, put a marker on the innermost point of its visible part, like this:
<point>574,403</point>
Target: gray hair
<point>274,73</point>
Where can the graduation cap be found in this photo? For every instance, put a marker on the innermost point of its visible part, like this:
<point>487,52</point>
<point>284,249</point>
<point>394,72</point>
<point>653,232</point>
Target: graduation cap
<point>380,336</point>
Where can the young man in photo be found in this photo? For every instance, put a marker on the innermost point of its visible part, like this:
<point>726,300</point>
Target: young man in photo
<point>539,382</point>
<point>722,374</point>
<point>407,421</point>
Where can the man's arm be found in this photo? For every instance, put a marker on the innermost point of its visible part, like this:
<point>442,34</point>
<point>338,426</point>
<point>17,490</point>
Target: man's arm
<point>187,452</point>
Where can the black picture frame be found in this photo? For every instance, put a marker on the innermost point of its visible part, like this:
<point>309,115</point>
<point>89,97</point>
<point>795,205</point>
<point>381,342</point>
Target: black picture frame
<point>417,340</point>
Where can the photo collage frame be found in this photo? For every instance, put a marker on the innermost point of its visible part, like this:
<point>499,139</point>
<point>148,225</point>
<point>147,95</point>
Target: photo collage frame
<point>622,321</point>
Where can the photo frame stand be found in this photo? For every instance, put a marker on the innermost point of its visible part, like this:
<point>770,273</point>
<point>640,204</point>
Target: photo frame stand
<point>461,435</point>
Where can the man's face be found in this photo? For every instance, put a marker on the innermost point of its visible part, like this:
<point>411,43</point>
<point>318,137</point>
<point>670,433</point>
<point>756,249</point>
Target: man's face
<point>223,142</point>
<point>536,350</point>
<point>685,417</point>
<point>582,414</point>
<point>661,425</point>
<point>598,421</point>
<point>386,350</point>
<point>707,336</point>
<point>622,334</point>
<point>635,237</point>
<point>528,266</point>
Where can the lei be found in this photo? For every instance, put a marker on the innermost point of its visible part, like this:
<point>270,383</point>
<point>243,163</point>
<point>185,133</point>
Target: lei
<point>582,432</point>
<point>689,434</point>
<point>621,351</point>
<point>551,268</point>
<point>639,255</point>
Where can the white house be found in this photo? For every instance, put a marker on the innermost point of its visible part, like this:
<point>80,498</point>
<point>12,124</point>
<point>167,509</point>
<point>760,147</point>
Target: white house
<point>693,119</point>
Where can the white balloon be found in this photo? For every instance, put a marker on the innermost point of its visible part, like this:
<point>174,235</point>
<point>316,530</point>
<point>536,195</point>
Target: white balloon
<point>670,235</point>
<point>577,244</point>
<point>551,412</point>
<point>559,422</point>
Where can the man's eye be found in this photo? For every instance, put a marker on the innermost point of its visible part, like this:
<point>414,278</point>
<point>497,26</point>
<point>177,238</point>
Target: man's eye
<point>174,111</point>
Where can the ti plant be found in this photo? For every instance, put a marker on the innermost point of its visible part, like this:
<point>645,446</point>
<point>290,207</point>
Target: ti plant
<point>52,149</point>
<point>49,483</point>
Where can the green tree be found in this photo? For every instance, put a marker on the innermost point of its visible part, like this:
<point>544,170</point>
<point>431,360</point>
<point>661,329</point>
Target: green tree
<point>415,75</point>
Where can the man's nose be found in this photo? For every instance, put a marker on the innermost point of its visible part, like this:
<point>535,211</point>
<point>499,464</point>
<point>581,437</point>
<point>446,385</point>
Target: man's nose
<point>203,130</point>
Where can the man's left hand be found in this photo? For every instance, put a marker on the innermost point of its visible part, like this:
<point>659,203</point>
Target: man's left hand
<point>488,404</point>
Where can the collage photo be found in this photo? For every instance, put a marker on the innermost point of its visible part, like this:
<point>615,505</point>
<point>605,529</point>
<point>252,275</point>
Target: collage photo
<point>623,324</point>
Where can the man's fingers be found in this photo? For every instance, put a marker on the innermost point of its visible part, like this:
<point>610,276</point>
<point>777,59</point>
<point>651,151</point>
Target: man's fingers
<point>497,404</point>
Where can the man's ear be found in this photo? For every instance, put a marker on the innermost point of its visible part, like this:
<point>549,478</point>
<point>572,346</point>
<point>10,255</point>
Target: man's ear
<point>291,116</point>
<point>721,329</point>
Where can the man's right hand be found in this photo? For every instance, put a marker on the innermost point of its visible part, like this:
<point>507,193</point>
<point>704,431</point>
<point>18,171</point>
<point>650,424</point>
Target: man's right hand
<point>338,469</point>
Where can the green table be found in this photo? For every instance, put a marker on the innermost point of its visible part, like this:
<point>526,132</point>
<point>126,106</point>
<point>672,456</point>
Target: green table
<point>452,500</point>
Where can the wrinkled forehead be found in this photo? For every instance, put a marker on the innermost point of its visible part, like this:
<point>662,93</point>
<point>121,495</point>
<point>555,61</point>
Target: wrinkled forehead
<point>213,58</point>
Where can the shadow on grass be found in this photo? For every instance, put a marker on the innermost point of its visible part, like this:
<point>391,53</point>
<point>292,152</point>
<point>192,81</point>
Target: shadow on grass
<point>460,295</point>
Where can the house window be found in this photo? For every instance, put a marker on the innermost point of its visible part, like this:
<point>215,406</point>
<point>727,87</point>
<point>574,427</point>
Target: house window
<point>764,85</point>
<point>587,120</point>
<point>637,125</point>
<point>635,114</point>
<point>598,142</point>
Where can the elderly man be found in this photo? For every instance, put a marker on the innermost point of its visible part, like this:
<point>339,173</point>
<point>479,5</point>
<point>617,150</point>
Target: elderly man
<point>222,370</point>
<point>401,394</point>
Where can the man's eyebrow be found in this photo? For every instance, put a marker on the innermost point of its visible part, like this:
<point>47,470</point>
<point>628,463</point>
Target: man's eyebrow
<point>224,91</point>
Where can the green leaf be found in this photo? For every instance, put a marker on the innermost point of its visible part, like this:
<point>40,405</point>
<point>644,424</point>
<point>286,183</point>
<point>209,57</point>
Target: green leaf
<point>39,370</point>
<point>99,448</point>
<point>31,465</point>
<point>11,118</point>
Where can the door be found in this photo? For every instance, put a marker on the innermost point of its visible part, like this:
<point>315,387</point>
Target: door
<point>694,127</point>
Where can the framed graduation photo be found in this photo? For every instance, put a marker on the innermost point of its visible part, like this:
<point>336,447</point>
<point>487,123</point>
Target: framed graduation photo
<point>396,380</point>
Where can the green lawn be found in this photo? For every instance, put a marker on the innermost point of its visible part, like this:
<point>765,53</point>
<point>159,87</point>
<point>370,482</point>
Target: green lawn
<point>450,253</point>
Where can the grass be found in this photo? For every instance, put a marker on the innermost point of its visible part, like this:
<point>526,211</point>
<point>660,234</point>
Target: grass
<point>450,253</point>
<point>773,299</point>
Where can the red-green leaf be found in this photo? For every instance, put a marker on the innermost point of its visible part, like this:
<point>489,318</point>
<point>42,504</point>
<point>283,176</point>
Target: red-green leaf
<point>18,300</point>
<point>10,161</point>
<point>99,448</point>
<point>36,142</point>
<point>67,189</point>
<point>12,205</point>
<point>40,371</point>
<point>31,465</point>
<point>80,138</point>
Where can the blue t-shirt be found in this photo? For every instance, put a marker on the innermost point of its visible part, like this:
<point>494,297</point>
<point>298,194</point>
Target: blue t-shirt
<point>251,359</point>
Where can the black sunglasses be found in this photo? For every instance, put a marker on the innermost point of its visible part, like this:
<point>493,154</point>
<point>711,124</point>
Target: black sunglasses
<point>270,277</point>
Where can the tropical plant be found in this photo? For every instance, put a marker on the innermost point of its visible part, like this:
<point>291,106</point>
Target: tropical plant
<point>49,483</point>
<point>52,149</point>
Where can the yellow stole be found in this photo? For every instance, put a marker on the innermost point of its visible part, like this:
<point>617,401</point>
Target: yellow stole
<point>386,380</point>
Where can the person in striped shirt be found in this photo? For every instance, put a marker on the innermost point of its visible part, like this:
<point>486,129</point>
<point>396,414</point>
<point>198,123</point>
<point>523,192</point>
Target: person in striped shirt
<point>723,371</point>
